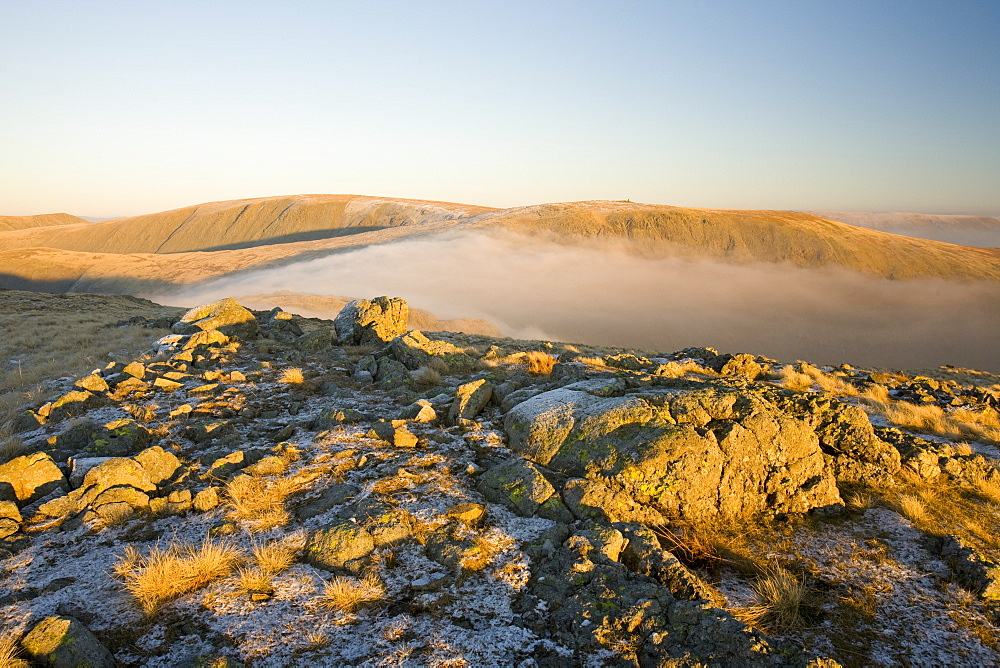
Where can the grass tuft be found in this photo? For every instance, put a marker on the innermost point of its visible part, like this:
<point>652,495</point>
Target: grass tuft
<point>292,376</point>
<point>10,653</point>
<point>778,594</point>
<point>346,594</point>
<point>166,573</point>
<point>258,505</point>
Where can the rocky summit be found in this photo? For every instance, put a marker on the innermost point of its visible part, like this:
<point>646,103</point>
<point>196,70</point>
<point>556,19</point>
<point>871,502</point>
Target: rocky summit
<point>262,489</point>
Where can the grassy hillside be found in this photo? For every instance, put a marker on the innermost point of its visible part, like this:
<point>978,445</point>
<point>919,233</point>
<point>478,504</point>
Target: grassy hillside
<point>241,224</point>
<point>43,220</point>
<point>744,236</point>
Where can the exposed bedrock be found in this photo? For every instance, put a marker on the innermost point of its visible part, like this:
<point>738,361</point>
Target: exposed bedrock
<point>685,453</point>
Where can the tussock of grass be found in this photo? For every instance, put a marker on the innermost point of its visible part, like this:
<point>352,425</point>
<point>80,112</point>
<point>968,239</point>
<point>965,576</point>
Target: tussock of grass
<point>346,594</point>
<point>427,377</point>
<point>986,488</point>
<point>539,363</point>
<point>697,546</point>
<point>912,508</point>
<point>292,376</point>
<point>10,653</point>
<point>790,379</point>
<point>259,505</point>
<point>778,595</point>
<point>166,573</point>
<point>981,425</point>
<point>255,581</point>
<point>274,557</point>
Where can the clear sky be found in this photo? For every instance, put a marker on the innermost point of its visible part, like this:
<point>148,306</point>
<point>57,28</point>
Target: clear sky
<point>120,108</point>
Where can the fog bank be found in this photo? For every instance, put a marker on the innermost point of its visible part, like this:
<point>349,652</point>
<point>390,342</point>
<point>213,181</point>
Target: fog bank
<point>601,294</point>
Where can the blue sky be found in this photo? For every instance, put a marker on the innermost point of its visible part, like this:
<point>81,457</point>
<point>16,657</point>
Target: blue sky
<point>121,108</point>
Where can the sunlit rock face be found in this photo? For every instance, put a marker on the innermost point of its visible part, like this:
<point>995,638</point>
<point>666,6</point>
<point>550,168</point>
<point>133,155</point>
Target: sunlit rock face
<point>687,453</point>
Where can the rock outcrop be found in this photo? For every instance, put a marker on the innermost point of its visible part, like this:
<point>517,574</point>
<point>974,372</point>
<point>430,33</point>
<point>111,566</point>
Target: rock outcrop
<point>371,322</point>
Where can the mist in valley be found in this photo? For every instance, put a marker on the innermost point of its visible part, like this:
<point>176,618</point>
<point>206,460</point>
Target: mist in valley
<point>600,293</point>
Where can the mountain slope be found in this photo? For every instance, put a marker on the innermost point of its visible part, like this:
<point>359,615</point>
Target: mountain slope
<point>43,220</point>
<point>747,236</point>
<point>965,230</point>
<point>241,224</point>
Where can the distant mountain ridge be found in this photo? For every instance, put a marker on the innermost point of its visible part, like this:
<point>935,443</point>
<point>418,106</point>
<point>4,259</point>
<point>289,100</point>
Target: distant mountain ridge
<point>965,230</point>
<point>42,220</point>
<point>214,239</point>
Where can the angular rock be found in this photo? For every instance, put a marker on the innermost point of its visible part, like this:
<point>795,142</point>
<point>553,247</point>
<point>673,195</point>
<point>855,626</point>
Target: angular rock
<point>10,519</point>
<point>161,466</point>
<point>363,322</point>
<point>975,570</point>
<point>175,503</point>
<point>470,400</point>
<point>79,466</point>
<point>333,496</point>
<point>391,374</point>
<point>341,545</point>
<point>64,642</point>
<point>207,499</point>
<point>414,349</point>
<point>471,514</point>
<point>317,341</point>
<point>686,453</point>
<point>211,338</point>
<point>519,484</point>
<point>136,370</point>
<point>72,404</point>
<point>32,477</point>
<point>120,438</point>
<point>92,383</point>
<point>225,315</point>
<point>421,411</point>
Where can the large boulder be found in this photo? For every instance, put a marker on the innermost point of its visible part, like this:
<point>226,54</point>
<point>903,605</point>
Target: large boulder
<point>341,545</point>
<point>470,400</point>
<point>225,315</point>
<point>64,642</point>
<point>415,349</point>
<point>371,322</point>
<point>691,453</point>
<point>32,477</point>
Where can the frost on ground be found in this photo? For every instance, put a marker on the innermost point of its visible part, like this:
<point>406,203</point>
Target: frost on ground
<point>399,514</point>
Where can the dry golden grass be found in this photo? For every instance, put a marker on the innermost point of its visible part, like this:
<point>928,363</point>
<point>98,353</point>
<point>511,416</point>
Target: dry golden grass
<point>981,425</point>
<point>790,379</point>
<point>539,363</point>
<point>963,449</point>
<point>427,377</point>
<point>259,505</point>
<point>861,500</point>
<point>11,447</point>
<point>346,594</point>
<point>274,557</point>
<point>144,413</point>
<point>778,595</point>
<point>697,546</point>
<point>255,581</point>
<point>10,653</point>
<point>44,351</point>
<point>168,573</point>
<point>986,488</point>
<point>912,508</point>
<point>292,376</point>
